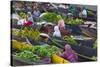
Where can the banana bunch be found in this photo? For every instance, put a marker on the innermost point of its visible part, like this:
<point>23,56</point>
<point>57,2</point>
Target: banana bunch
<point>31,33</point>
<point>20,45</point>
<point>35,35</point>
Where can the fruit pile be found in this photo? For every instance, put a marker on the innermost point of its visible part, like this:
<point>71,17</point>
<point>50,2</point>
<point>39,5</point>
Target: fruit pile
<point>31,33</point>
<point>20,45</point>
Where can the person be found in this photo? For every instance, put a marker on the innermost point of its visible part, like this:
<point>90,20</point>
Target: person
<point>61,24</point>
<point>15,16</point>
<point>56,32</point>
<point>84,13</point>
<point>72,9</point>
<point>64,31</point>
<point>22,18</point>
<point>36,14</point>
<point>30,17</point>
<point>25,19</point>
<point>69,54</point>
<point>19,6</point>
<point>29,20</point>
<point>21,21</point>
<point>70,15</point>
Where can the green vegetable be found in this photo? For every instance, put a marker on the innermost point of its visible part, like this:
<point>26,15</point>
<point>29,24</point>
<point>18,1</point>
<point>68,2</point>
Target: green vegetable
<point>42,51</point>
<point>73,21</point>
<point>51,17</point>
<point>46,51</point>
<point>28,56</point>
<point>28,49</point>
<point>70,40</point>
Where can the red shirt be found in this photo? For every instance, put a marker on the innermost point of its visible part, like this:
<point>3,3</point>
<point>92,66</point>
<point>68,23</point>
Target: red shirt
<point>28,23</point>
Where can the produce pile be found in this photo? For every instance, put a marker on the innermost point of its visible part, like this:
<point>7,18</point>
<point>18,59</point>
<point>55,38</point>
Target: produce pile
<point>70,40</point>
<point>28,55</point>
<point>74,21</point>
<point>36,53</point>
<point>27,32</point>
<point>49,17</point>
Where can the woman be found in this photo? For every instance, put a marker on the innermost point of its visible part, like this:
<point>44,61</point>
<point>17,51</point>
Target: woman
<point>29,20</point>
<point>69,54</point>
<point>56,32</point>
<point>36,14</point>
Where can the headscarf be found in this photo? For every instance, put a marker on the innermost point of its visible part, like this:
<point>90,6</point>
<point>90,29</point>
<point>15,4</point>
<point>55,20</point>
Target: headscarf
<point>69,54</point>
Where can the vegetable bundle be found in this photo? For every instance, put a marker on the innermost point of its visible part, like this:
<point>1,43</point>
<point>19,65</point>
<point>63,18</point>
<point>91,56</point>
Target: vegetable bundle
<point>46,50</point>
<point>70,40</point>
<point>50,17</point>
<point>28,55</point>
<point>74,21</point>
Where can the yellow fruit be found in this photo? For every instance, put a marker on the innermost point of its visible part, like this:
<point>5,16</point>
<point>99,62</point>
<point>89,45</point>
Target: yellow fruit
<point>18,45</point>
<point>57,59</point>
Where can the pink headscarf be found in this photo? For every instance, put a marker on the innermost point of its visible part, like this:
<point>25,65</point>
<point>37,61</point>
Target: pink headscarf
<point>69,54</point>
<point>61,23</point>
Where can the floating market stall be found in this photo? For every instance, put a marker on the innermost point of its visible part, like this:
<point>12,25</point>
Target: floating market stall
<point>57,36</point>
